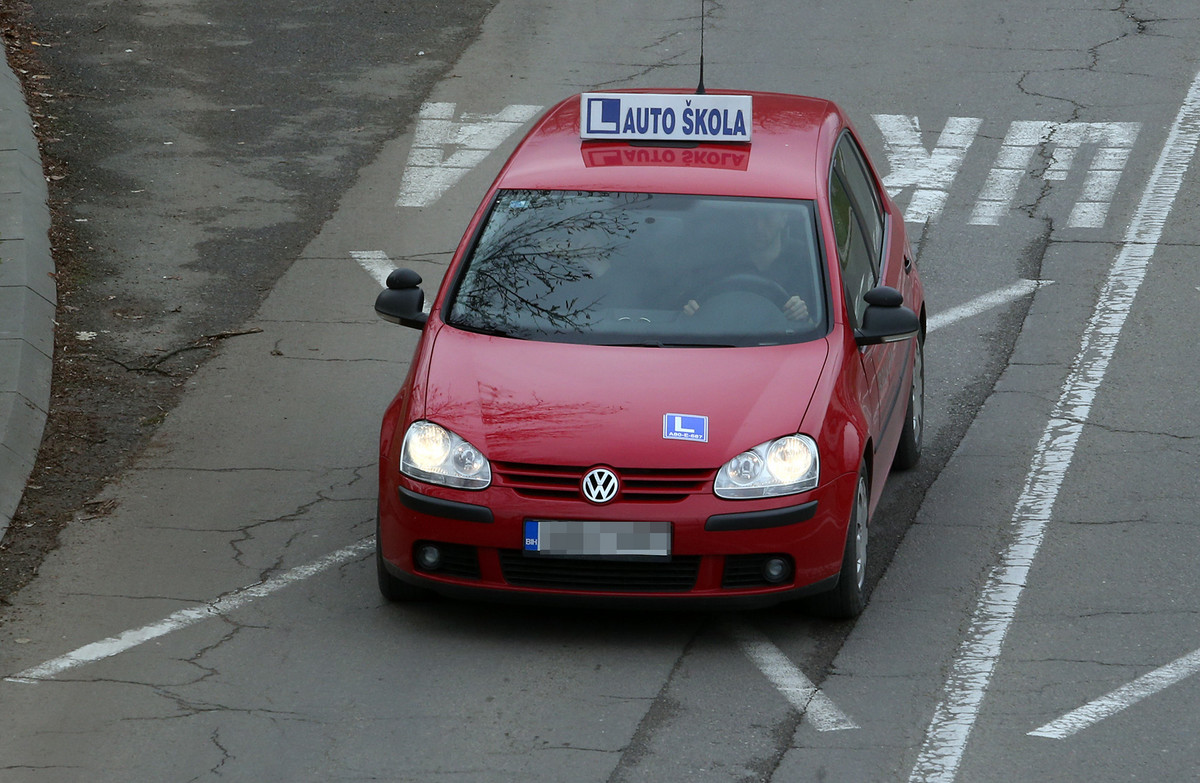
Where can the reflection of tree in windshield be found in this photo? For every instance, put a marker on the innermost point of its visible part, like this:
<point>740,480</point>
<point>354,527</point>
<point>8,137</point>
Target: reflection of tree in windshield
<point>540,258</point>
<point>623,269</point>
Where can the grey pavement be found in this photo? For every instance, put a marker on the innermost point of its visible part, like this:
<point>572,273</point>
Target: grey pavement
<point>27,296</point>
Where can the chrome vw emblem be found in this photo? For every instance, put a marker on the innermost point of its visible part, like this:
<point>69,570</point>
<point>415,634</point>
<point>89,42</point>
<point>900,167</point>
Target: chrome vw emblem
<point>600,485</point>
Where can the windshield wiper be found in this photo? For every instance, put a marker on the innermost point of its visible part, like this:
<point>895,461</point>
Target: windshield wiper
<point>660,344</point>
<point>490,331</point>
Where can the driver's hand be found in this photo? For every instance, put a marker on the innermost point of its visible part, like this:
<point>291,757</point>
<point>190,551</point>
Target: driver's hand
<point>692,306</point>
<point>796,309</point>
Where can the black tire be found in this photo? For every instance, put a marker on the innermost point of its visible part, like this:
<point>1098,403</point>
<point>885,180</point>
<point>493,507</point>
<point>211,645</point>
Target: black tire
<point>847,600</point>
<point>392,589</point>
<point>909,450</point>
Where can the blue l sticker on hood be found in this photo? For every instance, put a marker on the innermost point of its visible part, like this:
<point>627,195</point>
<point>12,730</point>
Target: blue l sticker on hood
<point>681,426</point>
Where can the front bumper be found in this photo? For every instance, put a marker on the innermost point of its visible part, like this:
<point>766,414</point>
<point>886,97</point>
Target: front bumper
<point>719,548</point>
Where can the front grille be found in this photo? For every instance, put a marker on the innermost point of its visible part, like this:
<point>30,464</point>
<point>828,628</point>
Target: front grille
<point>676,575</point>
<point>540,481</point>
<point>637,484</point>
<point>458,560</point>
<point>743,571</point>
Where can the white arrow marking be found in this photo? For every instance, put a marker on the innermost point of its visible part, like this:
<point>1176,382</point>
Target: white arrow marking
<point>445,149</point>
<point>807,698</point>
<point>955,714</point>
<point>1126,696</point>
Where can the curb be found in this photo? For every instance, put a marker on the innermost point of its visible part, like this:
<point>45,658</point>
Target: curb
<point>28,295</point>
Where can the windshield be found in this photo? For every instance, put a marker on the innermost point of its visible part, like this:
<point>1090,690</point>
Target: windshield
<point>644,269</point>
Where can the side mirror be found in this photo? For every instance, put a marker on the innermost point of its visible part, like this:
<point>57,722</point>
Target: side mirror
<point>886,319</point>
<point>403,301</point>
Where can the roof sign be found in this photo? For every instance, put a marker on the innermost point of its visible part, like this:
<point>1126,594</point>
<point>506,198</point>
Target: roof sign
<point>651,117</point>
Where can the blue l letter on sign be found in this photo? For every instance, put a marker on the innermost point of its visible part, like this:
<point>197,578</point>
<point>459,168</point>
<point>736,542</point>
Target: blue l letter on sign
<point>603,116</point>
<point>681,426</point>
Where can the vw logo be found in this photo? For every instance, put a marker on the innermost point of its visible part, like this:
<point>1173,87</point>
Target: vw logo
<point>600,485</point>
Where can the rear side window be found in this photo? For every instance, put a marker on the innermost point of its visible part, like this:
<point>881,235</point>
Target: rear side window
<point>858,224</point>
<point>849,164</point>
<point>858,275</point>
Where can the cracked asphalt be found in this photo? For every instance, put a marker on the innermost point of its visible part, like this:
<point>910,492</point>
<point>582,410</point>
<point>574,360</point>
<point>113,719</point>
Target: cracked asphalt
<point>261,462</point>
<point>181,191</point>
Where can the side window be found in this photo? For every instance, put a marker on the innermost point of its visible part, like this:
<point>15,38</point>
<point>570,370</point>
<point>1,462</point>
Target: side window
<point>854,254</point>
<point>848,162</point>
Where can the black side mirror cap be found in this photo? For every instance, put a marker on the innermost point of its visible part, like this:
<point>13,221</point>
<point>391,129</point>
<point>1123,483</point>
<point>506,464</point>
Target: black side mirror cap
<point>403,301</point>
<point>884,296</point>
<point>886,319</point>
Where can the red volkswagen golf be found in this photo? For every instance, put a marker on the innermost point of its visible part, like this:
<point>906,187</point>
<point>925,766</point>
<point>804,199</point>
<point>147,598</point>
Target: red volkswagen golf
<point>674,357</point>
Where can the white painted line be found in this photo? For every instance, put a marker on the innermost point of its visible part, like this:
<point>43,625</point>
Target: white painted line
<point>1123,697</point>
<point>808,700</point>
<point>1114,142</point>
<point>1013,160</point>
<point>985,302</point>
<point>377,264</point>
<point>114,645</point>
<point>955,715</point>
<point>931,173</point>
<point>445,149</point>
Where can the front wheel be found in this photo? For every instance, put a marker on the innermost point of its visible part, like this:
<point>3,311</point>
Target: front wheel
<point>847,600</point>
<point>909,450</point>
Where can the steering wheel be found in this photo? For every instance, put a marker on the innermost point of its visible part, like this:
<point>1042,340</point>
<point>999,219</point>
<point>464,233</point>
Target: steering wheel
<point>750,283</point>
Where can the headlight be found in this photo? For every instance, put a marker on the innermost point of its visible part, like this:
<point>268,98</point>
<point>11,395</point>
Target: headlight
<point>780,467</point>
<point>435,454</point>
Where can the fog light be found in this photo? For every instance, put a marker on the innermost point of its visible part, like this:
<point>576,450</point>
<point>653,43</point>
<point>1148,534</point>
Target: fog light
<point>777,570</point>
<point>429,557</point>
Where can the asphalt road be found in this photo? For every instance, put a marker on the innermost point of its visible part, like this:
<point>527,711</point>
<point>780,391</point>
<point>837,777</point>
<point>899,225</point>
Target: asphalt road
<point>1034,612</point>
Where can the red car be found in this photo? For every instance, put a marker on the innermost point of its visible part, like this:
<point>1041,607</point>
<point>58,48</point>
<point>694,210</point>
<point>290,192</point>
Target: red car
<point>675,356</point>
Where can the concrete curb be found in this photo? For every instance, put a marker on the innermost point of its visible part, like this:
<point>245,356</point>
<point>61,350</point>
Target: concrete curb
<point>27,296</point>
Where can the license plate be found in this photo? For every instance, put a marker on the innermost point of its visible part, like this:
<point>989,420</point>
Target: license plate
<point>565,538</point>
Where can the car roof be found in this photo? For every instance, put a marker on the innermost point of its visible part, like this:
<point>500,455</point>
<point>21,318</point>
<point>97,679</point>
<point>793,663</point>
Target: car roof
<point>784,158</point>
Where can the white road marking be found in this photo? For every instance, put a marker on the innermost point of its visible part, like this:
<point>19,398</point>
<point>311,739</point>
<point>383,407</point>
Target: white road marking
<point>1123,697</point>
<point>1024,138</point>
<point>808,700</point>
<point>445,149</point>
<point>985,302</point>
<point>932,173</point>
<point>114,645</point>
<point>955,715</point>
<point>377,264</point>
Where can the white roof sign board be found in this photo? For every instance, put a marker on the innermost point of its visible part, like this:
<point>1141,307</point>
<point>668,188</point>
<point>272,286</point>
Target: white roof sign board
<point>653,117</point>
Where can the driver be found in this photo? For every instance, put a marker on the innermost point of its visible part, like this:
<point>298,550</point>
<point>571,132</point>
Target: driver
<point>769,255</point>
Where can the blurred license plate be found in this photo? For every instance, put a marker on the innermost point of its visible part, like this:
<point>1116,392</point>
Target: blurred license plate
<point>597,539</point>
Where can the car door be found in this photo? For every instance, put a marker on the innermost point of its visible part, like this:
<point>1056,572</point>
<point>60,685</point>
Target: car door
<point>860,224</point>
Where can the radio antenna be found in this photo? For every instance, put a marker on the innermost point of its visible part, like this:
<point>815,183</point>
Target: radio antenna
<point>700,86</point>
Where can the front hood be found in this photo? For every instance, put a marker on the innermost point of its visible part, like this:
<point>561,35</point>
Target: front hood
<point>582,405</point>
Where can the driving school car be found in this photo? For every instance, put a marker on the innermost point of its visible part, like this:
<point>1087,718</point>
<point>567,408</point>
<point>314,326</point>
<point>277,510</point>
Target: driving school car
<point>675,356</point>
